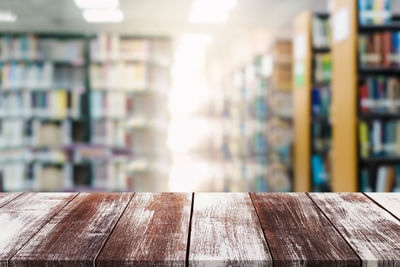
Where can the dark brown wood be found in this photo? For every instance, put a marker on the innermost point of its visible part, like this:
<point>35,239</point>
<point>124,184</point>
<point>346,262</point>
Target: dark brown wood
<point>298,233</point>
<point>76,234</point>
<point>389,201</point>
<point>226,231</point>
<point>152,231</point>
<point>371,231</point>
<point>5,198</point>
<point>23,217</point>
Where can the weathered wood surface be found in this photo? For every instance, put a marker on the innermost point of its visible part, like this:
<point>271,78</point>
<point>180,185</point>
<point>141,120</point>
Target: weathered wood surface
<point>298,233</point>
<point>24,216</point>
<point>372,232</point>
<point>226,231</point>
<point>76,234</point>
<point>5,198</point>
<point>152,231</point>
<point>389,201</point>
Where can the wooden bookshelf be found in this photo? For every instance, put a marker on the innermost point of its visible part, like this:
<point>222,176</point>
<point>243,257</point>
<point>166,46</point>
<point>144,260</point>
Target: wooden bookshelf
<point>301,94</point>
<point>348,74</point>
<point>312,101</point>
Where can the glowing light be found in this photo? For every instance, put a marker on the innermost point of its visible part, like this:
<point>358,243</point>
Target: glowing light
<point>7,16</point>
<point>211,11</point>
<point>96,4</point>
<point>103,15</point>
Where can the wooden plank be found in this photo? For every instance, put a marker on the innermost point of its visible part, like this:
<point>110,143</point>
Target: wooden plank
<point>389,201</point>
<point>226,231</point>
<point>371,231</point>
<point>24,217</point>
<point>5,198</point>
<point>302,105</point>
<point>345,102</point>
<point>152,231</point>
<point>76,234</point>
<point>298,233</point>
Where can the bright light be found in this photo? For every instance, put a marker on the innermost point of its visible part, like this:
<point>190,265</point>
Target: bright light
<point>96,4</point>
<point>103,15</point>
<point>188,175</point>
<point>7,16</point>
<point>211,11</point>
<point>208,17</point>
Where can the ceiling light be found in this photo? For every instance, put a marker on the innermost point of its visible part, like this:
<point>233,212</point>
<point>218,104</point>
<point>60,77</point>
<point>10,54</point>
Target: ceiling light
<point>208,17</point>
<point>7,16</point>
<point>211,11</point>
<point>103,15</point>
<point>211,5</point>
<point>97,3</point>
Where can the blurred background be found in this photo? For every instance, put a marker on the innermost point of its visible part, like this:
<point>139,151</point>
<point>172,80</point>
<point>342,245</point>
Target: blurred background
<point>199,95</point>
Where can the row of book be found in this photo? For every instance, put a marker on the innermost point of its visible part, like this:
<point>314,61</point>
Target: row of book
<point>43,75</point>
<point>108,132</point>
<point>380,179</point>
<point>374,11</point>
<point>108,105</point>
<point>380,95</point>
<point>106,47</point>
<point>321,32</point>
<point>35,133</point>
<point>54,104</point>
<point>320,168</point>
<point>379,49</point>
<point>322,68</point>
<point>379,138</point>
<point>128,76</point>
<point>31,47</point>
<point>321,101</point>
<point>321,136</point>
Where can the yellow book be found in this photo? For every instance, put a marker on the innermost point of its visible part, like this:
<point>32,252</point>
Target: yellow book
<point>364,142</point>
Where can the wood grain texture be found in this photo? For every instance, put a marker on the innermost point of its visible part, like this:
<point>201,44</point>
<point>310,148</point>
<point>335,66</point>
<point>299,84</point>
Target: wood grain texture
<point>371,231</point>
<point>23,217</point>
<point>153,231</point>
<point>76,234</point>
<point>389,201</point>
<point>299,234</point>
<point>5,198</point>
<point>226,232</point>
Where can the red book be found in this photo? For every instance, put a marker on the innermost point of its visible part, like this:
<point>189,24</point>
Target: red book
<point>386,49</point>
<point>363,98</point>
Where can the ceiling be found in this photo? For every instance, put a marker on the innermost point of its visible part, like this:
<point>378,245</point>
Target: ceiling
<point>165,17</point>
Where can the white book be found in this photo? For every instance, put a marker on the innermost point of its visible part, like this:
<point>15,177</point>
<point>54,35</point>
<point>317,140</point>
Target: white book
<point>381,179</point>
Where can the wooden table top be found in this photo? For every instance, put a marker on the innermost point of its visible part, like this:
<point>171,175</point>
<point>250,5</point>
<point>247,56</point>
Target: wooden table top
<point>199,229</point>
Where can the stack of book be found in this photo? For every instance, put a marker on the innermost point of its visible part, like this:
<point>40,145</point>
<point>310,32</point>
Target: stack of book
<point>380,94</point>
<point>379,138</point>
<point>387,179</point>
<point>374,11</point>
<point>379,49</point>
<point>321,32</point>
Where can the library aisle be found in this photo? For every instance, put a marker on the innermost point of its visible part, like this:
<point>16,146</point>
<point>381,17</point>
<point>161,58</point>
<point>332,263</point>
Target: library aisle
<point>200,95</point>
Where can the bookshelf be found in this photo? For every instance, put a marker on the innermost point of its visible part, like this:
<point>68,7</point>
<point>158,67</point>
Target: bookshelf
<point>312,101</point>
<point>279,123</point>
<point>365,95</point>
<point>256,124</point>
<point>71,112</point>
<point>132,74</point>
<point>42,110</point>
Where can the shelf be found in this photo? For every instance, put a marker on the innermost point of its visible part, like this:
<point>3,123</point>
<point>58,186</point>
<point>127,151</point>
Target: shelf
<point>392,71</point>
<point>379,116</point>
<point>72,63</point>
<point>378,28</point>
<point>320,84</point>
<point>380,160</point>
<point>77,89</point>
<point>321,50</point>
